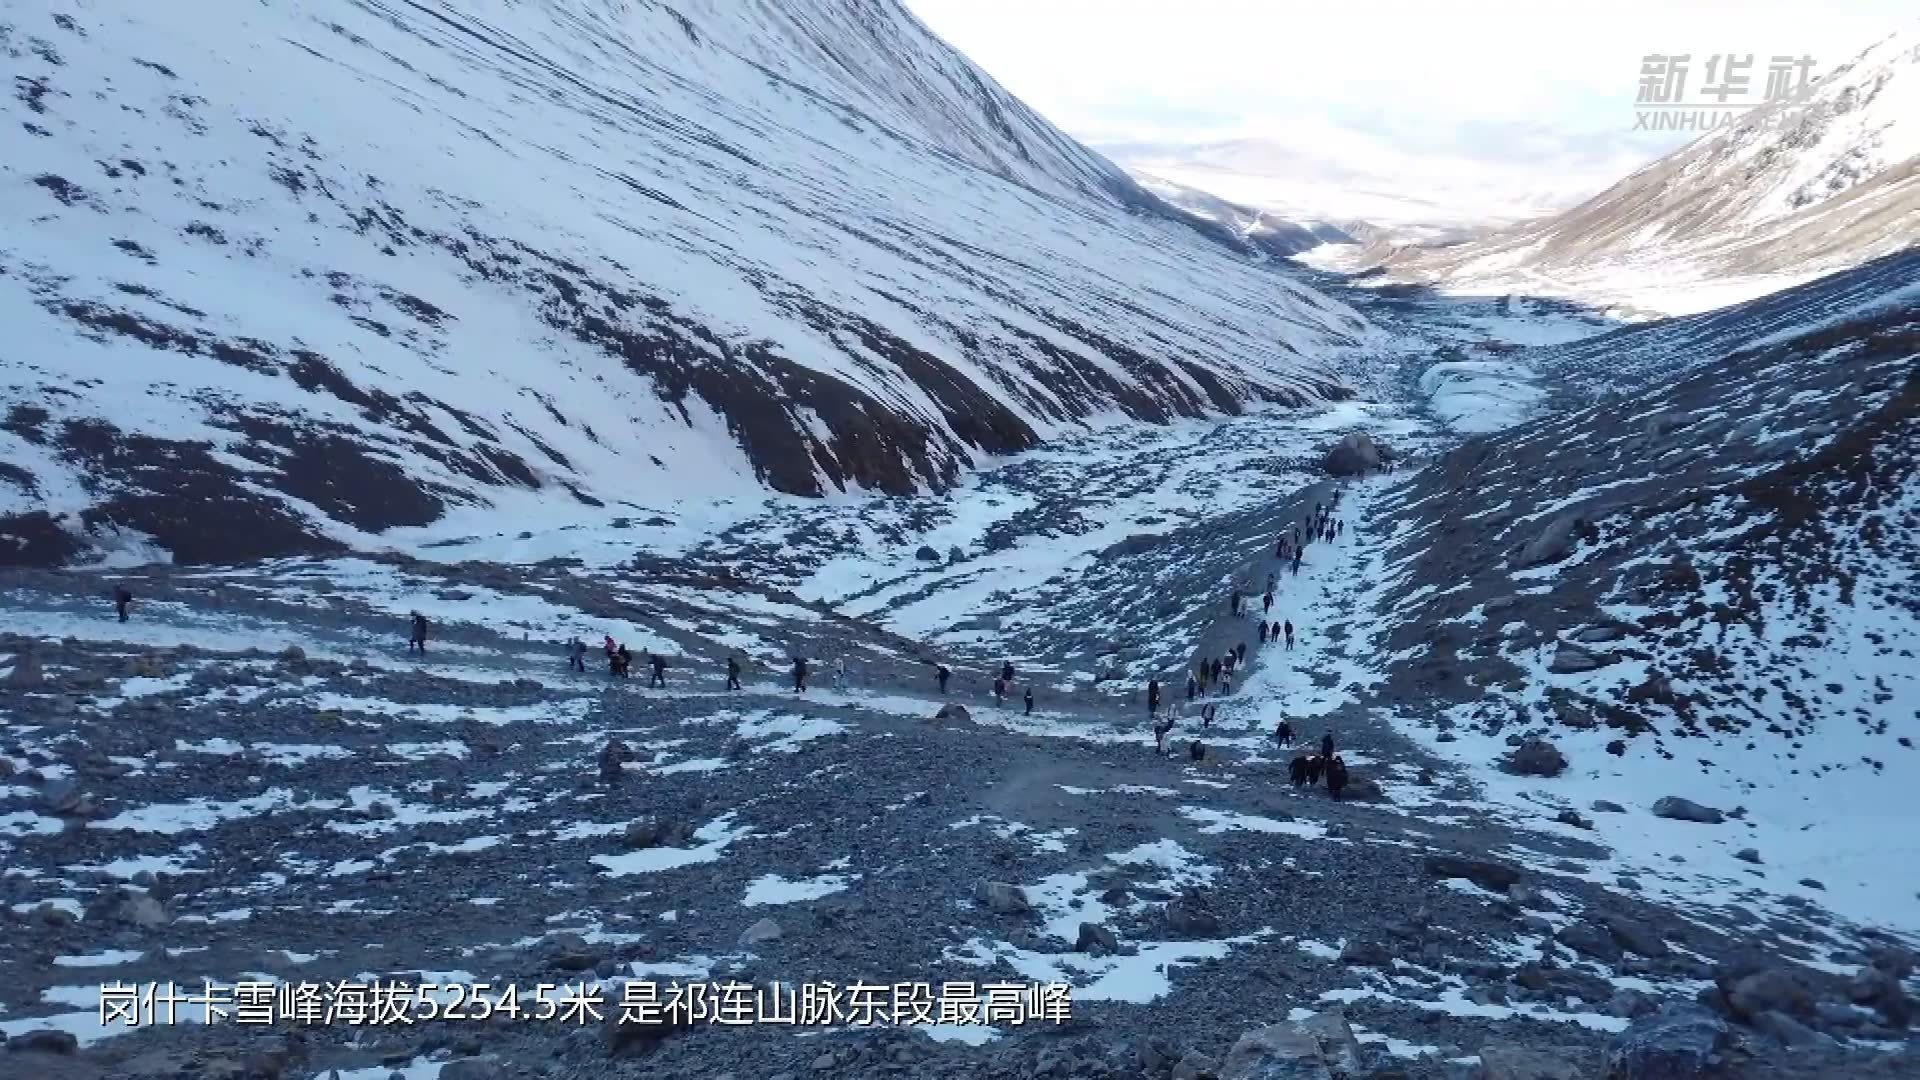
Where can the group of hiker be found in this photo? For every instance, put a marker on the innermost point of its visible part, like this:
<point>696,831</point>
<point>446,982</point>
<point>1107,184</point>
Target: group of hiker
<point>1003,685</point>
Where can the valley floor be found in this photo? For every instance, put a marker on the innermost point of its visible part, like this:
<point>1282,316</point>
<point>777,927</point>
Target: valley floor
<point>252,781</point>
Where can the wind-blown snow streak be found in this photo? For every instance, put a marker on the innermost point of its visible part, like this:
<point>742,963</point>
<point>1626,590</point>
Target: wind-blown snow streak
<point>320,270</point>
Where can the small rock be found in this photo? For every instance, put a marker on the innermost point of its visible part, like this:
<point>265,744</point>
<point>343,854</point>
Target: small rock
<point>1748,855</point>
<point>1366,954</point>
<point>1785,1028</point>
<point>927,554</point>
<point>1492,876</point>
<point>472,1068</point>
<point>1604,806</point>
<point>1196,1066</point>
<point>1772,990</point>
<point>26,673</point>
<point>1637,936</point>
<point>1574,818</point>
<point>1188,917</point>
<point>1590,941</point>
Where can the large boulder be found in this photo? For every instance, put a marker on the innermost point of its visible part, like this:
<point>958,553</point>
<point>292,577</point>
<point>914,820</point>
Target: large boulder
<point>1357,953</point>
<point>1000,897</point>
<point>44,1041</point>
<point>1637,936</point>
<point>1096,939</point>
<point>1679,809</point>
<point>1502,1062</point>
<point>1354,455</point>
<point>1189,917</point>
<point>763,931</point>
<point>1556,541</point>
<point>1535,757</point>
<point>1490,875</point>
<point>927,553</point>
<point>1769,990</point>
<point>1878,988</point>
<point>1571,659</point>
<point>1589,941</point>
<point>953,714</point>
<point>25,673</point>
<point>1319,1047</point>
<point>1682,1041</point>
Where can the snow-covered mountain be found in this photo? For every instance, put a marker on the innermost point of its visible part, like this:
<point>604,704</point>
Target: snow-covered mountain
<point>1329,174</point>
<point>280,277</point>
<point>1789,192</point>
<point>1268,232</point>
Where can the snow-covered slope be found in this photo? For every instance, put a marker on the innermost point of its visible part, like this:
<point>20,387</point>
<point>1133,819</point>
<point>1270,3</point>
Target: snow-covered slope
<point>1791,191</point>
<point>1702,587</point>
<point>282,276</point>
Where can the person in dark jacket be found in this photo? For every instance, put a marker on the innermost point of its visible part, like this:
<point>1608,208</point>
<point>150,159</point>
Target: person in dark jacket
<point>1197,750</point>
<point>1153,698</point>
<point>1216,669</point>
<point>1193,686</point>
<point>1336,777</point>
<point>1028,698</point>
<point>659,663</point>
<point>1289,630</point>
<point>733,673</point>
<point>418,641</point>
<point>1283,733</point>
<point>1326,746</point>
<point>1207,714</point>
<point>1240,654</point>
<point>576,655</point>
<point>122,599</point>
<point>1006,671</point>
<point>1263,631</point>
<point>941,675</point>
<point>799,674</point>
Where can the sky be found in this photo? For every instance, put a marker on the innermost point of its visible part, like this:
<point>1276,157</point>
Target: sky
<point>1530,89</point>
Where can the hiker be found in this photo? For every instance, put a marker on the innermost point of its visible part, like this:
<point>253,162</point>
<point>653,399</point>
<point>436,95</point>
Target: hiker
<point>1336,777</point>
<point>1297,770</point>
<point>1266,605</point>
<point>659,663</point>
<point>576,654</point>
<point>625,657</point>
<point>839,672</point>
<point>1289,630</point>
<point>1207,714</point>
<point>733,673</point>
<point>612,756</point>
<point>608,646</point>
<point>1283,733</point>
<point>1280,548</point>
<point>122,597</point>
<point>1231,659</point>
<point>1215,668</point>
<point>1160,729</point>
<point>799,674</point>
<point>1296,564</point>
<point>1240,653</point>
<point>1006,671</point>
<point>1193,686</point>
<point>999,693</point>
<point>1197,750</point>
<point>1273,581</point>
<point>1233,605</point>
<point>1263,631</point>
<point>941,675</point>
<point>1226,684</point>
<point>418,642</point>
<point>1153,698</point>
<point>1326,746</point>
<point>1028,698</point>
